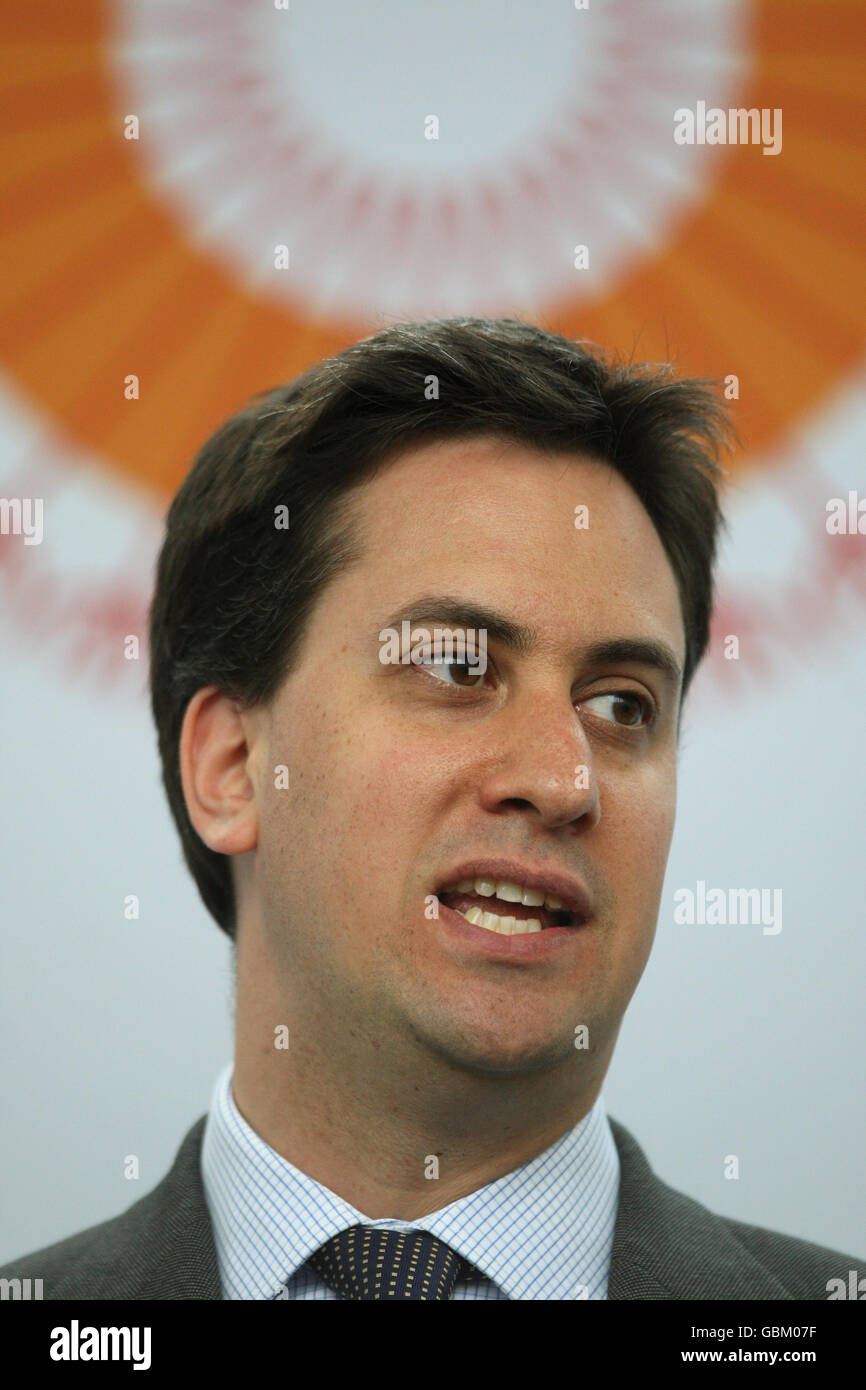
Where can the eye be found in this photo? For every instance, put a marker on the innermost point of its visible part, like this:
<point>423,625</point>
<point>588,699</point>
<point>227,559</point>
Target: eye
<point>636,708</point>
<point>466,675</point>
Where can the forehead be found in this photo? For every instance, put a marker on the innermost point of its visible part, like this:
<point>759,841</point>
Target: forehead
<point>495,520</point>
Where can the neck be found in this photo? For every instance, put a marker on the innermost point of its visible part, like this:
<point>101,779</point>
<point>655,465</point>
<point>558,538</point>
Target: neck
<point>392,1126</point>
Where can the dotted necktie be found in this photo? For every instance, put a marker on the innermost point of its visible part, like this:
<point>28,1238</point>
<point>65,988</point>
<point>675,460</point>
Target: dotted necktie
<point>365,1262</point>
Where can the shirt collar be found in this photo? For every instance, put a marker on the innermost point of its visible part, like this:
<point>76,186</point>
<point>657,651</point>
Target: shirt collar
<point>542,1231</point>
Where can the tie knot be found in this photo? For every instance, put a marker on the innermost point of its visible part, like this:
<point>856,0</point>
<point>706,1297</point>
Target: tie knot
<point>364,1262</point>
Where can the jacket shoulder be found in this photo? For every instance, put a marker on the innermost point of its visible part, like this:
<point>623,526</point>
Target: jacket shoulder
<point>159,1248</point>
<point>806,1269</point>
<point>668,1245</point>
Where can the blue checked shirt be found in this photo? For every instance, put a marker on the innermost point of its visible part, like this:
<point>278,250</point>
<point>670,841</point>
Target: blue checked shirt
<point>544,1230</point>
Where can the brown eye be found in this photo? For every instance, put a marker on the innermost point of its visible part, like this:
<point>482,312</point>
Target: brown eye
<point>464,675</point>
<point>633,708</point>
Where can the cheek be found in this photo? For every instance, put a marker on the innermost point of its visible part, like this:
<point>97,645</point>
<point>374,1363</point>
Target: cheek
<point>357,794</point>
<point>640,819</point>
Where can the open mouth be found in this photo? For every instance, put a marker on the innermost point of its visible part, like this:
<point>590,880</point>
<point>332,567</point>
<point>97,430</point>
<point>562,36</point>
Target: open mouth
<point>507,918</point>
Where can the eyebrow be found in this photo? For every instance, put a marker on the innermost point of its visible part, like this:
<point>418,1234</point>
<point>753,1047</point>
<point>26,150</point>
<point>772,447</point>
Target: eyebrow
<point>448,611</point>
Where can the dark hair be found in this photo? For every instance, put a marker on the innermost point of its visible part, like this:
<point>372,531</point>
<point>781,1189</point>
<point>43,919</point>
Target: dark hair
<point>232,598</point>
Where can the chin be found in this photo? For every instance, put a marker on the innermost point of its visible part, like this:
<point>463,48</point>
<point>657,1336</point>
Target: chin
<point>504,1054</point>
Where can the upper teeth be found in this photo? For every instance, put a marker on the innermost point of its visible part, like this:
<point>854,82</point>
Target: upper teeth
<point>509,892</point>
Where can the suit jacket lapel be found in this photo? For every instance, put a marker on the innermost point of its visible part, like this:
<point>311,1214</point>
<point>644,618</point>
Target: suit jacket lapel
<point>175,1257</point>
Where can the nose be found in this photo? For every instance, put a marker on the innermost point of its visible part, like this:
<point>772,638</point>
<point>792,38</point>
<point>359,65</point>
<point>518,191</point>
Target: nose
<point>544,764</point>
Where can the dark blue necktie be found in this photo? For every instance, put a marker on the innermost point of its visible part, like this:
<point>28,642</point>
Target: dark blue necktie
<point>364,1262</point>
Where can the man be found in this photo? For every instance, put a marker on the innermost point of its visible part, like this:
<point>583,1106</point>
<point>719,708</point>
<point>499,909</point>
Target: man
<point>441,864</point>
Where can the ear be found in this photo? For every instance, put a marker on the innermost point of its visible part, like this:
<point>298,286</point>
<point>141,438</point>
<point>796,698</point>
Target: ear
<point>217,787</point>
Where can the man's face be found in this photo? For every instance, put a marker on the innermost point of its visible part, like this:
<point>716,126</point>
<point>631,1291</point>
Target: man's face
<point>401,774</point>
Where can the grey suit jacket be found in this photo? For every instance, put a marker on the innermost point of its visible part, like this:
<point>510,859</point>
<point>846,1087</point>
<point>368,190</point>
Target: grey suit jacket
<point>665,1246</point>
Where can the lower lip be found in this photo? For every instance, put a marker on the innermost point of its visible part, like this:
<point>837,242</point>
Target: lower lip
<point>523,946</point>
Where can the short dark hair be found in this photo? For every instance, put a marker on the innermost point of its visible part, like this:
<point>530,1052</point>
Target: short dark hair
<point>232,598</point>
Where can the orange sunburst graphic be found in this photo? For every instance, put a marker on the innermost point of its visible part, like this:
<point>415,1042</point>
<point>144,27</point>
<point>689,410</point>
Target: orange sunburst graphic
<point>758,277</point>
